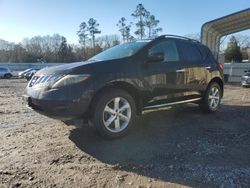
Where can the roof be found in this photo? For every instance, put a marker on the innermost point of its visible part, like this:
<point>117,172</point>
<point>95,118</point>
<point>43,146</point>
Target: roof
<point>212,31</point>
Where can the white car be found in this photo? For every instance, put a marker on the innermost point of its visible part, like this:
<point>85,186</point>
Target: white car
<point>28,75</point>
<point>245,79</point>
<point>21,74</point>
<point>5,72</point>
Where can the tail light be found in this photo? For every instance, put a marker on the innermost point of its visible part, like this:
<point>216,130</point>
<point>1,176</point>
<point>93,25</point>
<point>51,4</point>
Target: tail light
<point>221,65</point>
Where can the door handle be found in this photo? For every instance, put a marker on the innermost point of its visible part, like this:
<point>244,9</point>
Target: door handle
<point>180,70</point>
<point>208,67</point>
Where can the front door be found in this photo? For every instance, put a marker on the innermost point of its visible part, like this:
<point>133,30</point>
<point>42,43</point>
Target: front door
<point>164,79</point>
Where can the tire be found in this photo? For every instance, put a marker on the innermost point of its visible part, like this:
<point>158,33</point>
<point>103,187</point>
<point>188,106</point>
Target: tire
<point>106,117</point>
<point>213,93</point>
<point>245,86</point>
<point>7,76</point>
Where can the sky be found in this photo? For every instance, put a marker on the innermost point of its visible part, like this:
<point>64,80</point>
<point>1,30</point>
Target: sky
<point>27,18</point>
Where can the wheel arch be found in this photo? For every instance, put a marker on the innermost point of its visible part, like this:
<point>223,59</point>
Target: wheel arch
<point>128,87</point>
<point>219,81</point>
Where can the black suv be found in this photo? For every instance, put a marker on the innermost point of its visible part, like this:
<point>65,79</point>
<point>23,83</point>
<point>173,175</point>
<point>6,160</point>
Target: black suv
<point>112,87</point>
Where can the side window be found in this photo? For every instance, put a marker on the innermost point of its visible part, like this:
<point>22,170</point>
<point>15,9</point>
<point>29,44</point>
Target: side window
<point>168,48</point>
<point>190,52</point>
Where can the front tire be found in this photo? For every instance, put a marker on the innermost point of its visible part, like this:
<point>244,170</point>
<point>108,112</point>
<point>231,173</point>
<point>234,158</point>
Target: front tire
<point>114,113</point>
<point>212,98</point>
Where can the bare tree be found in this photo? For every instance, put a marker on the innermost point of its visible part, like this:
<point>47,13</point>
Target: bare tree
<point>243,40</point>
<point>107,41</point>
<point>5,45</point>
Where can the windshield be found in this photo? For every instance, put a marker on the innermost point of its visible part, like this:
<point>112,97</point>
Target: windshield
<point>119,51</point>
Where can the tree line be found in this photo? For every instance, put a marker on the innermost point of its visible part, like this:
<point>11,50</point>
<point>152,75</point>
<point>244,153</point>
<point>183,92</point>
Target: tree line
<point>55,48</point>
<point>146,26</point>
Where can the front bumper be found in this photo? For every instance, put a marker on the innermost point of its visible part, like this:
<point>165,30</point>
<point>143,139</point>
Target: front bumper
<point>245,82</point>
<point>63,104</point>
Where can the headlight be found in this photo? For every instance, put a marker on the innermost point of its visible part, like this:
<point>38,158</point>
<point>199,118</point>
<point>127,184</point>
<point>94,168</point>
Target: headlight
<point>70,79</point>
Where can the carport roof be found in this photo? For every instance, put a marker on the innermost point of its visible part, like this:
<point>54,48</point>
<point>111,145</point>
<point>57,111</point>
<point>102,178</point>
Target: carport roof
<point>212,31</point>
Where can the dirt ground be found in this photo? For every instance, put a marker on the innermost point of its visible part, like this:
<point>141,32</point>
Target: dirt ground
<point>176,147</point>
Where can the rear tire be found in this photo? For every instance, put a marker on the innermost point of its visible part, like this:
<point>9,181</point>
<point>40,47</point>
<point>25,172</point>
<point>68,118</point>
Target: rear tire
<point>212,98</point>
<point>113,113</point>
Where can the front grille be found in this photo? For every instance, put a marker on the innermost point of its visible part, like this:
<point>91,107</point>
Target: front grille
<point>44,79</point>
<point>33,80</point>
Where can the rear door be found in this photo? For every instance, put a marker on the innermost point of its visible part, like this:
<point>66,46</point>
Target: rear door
<point>196,71</point>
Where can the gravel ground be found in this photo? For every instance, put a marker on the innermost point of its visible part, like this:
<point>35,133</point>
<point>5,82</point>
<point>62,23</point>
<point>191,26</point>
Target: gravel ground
<point>175,147</point>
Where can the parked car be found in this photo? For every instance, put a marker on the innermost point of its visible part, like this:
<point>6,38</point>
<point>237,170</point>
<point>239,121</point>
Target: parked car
<point>5,72</point>
<point>28,75</point>
<point>245,79</point>
<point>111,88</point>
<point>21,74</point>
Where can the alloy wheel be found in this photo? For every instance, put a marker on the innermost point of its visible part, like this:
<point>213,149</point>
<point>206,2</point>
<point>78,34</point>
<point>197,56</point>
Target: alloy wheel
<point>214,98</point>
<point>117,114</point>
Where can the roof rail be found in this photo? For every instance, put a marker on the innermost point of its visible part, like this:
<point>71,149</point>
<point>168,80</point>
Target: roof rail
<point>178,37</point>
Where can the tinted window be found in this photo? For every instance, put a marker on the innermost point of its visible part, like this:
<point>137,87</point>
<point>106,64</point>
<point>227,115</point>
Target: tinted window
<point>168,48</point>
<point>3,69</point>
<point>190,52</point>
<point>204,51</point>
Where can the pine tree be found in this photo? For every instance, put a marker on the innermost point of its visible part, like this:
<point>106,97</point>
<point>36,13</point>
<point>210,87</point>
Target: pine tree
<point>93,30</point>
<point>233,53</point>
<point>124,28</point>
<point>152,23</point>
<point>82,34</point>
<point>141,14</point>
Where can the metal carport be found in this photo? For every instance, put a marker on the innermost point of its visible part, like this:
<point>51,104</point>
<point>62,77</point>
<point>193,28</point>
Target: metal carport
<point>212,31</point>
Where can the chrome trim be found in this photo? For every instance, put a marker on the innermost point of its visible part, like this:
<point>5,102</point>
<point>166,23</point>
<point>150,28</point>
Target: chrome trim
<point>180,70</point>
<point>171,103</point>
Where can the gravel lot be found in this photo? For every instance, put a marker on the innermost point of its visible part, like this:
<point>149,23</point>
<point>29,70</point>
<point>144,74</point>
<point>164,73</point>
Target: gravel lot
<point>175,147</point>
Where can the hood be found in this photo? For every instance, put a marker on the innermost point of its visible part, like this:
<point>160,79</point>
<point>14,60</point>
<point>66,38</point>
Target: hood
<point>63,69</point>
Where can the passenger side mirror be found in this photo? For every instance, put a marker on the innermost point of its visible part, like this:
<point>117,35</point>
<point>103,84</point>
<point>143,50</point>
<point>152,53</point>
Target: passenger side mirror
<point>155,57</point>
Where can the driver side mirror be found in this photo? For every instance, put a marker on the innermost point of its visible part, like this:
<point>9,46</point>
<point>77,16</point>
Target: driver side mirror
<point>155,57</point>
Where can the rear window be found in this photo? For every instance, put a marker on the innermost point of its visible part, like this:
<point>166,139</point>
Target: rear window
<point>189,51</point>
